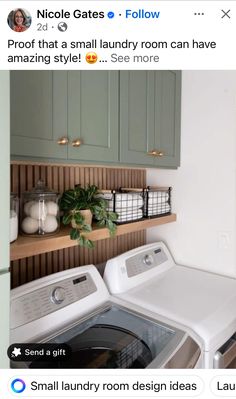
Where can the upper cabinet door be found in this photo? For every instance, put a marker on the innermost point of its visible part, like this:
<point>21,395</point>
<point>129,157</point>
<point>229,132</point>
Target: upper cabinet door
<point>137,115</point>
<point>38,113</point>
<point>167,118</point>
<point>150,118</point>
<point>93,113</point>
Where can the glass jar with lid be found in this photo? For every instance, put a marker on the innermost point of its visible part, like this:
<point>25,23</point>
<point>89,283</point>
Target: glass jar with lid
<point>40,211</point>
<point>14,217</point>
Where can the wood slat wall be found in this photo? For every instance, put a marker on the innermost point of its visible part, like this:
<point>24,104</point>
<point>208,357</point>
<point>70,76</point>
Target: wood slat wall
<point>24,177</point>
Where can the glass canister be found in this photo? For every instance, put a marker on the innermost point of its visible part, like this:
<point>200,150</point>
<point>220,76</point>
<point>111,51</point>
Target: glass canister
<point>40,211</point>
<point>14,217</point>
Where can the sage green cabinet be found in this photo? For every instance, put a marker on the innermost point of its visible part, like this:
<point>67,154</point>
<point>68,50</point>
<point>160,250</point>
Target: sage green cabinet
<point>127,117</point>
<point>47,106</point>
<point>38,113</point>
<point>4,216</point>
<point>93,112</point>
<point>150,107</point>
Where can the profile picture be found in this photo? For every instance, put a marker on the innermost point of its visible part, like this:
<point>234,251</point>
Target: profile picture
<point>19,20</point>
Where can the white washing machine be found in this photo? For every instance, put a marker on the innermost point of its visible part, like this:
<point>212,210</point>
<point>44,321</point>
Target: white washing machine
<point>201,303</point>
<point>74,307</point>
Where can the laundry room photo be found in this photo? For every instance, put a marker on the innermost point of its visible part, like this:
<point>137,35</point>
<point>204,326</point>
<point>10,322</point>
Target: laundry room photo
<point>121,219</point>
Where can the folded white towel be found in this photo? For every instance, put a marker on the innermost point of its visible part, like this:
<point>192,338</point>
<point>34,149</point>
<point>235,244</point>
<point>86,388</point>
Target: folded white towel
<point>123,201</point>
<point>128,216</point>
<point>157,197</point>
<point>158,210</point>
<point>128,211</point>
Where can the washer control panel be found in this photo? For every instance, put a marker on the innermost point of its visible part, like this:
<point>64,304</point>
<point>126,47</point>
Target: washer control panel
<point>140,263</point>
<point>50,298</point>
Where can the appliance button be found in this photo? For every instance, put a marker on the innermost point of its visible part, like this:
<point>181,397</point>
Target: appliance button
<point>58,295</point>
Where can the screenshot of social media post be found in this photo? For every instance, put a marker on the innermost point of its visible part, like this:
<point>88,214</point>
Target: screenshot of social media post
<point>118,200</point>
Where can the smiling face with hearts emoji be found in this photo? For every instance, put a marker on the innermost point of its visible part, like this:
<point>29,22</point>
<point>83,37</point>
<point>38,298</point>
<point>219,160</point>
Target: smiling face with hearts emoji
<point>91,58</point>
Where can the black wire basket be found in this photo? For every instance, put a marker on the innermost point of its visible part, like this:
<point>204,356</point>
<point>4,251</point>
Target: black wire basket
<point>157,201</point>
<point>128,203</point>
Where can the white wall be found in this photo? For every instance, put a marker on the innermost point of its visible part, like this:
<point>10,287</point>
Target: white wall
<point>204,187</point>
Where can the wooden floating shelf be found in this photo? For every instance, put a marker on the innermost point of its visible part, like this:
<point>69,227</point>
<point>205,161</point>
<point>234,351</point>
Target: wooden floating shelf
<point>24,247</point>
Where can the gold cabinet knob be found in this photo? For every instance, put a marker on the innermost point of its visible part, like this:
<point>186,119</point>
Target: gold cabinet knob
<point>153,152</point>
<point>156,153</point>
<point>76,142</point>
<point>63,141</point>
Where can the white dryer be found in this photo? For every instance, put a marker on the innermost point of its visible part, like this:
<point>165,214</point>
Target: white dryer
<point>74,308</point>
<point>201,303</point>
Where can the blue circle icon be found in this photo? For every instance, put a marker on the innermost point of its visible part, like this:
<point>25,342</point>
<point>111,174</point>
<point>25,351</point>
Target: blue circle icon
<point>110,14</point>
<point>18,385</point>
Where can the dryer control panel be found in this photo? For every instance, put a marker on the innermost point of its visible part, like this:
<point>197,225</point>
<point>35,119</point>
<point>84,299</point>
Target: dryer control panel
<point>147,260</point>
<point>135,267</point>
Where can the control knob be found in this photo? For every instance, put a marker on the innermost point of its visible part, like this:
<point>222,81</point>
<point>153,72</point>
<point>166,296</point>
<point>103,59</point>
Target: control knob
<point>148,260</point>
<point>58,295</point>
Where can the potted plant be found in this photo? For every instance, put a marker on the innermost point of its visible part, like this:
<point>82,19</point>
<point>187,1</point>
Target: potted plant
<point>81,205</point>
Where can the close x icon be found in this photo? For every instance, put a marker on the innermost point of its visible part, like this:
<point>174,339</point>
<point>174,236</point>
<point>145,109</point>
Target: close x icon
<point>226,14</point>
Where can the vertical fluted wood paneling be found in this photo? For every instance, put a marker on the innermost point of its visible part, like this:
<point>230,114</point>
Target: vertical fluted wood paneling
<point>60,178</point>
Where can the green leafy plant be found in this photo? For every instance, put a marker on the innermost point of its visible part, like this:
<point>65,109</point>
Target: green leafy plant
<point>74,201</point>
